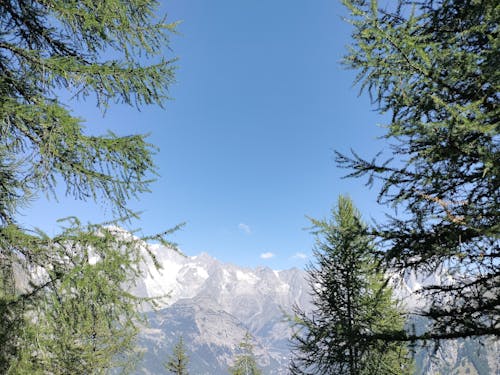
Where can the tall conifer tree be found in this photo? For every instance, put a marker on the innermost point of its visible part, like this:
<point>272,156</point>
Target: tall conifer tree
<point>64,303</point>
<point>433,66</point>
<point>351,301</point>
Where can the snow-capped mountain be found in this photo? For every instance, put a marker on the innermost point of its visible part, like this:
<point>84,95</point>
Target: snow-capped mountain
<point>212,305</point>
<point>184,277</point>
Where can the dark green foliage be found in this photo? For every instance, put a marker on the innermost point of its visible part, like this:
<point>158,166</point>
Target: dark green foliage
<point>433,65</point>
<point>78,316</point>
<point>351,303</point>
<point>177,363</point>
<point>52,46</point>
<point>63,300</point>
<point>454,355</point>
<point>245,363</point>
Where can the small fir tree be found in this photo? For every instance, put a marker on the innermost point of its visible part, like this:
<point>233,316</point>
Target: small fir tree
<point>177,363</point>
<point>245,363</point>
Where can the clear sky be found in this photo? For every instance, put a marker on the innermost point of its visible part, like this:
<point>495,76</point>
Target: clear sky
<point>246,145</point>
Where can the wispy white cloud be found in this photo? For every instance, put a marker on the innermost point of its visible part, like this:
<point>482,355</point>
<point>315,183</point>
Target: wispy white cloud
<point>299,256</point>
<point>267,255</point>
<point>245,228</point>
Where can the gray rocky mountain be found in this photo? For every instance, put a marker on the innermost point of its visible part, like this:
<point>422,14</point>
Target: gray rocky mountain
<point>212,305</point>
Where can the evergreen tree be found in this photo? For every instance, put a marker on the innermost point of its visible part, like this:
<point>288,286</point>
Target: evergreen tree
<point>64,303</point>
<point>433,65</point>
<point>351,302</point>
<point>177,363</point>
<point>245,363</point>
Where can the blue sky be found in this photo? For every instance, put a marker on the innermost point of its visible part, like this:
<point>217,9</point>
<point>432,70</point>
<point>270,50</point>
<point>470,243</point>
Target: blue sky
<point>246,144</point>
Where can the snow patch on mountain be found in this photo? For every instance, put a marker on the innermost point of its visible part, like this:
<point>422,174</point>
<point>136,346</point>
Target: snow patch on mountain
<point>212,305</point>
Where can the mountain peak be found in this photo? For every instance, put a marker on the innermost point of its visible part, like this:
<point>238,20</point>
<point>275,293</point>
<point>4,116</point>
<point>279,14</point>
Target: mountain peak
<point>212,305</point>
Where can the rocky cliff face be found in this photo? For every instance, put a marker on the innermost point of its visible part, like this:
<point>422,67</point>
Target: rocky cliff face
<point>212,305</point>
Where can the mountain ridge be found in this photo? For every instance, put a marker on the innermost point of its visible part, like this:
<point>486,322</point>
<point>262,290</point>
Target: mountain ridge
<point>213,304</point>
